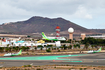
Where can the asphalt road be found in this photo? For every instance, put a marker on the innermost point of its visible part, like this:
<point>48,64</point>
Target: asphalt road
<point>97,59</point>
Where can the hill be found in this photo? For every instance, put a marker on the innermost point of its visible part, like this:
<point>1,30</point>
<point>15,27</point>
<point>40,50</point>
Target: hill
<point>98,30</point>
<point>38,24</point>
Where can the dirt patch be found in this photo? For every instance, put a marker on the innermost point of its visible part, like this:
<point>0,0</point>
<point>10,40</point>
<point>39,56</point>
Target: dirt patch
<point>55,67</point>
<point>1,54</point>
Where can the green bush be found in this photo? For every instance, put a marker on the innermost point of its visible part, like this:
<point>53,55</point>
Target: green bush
<point>39,69</point>
<point>54,48</point>
<point>80,69</point>
<point>103,48</point>
<point>25,65</point>
<point>85,68</point>
<point>58,50</point>
<point>41,48</point>
<point>28,65</point>
<point>48,50</point>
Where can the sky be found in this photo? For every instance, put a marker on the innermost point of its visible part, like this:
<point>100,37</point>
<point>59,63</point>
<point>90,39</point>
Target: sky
<point>86,13</point>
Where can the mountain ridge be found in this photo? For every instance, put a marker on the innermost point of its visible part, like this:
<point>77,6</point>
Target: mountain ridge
<point>37,24</point>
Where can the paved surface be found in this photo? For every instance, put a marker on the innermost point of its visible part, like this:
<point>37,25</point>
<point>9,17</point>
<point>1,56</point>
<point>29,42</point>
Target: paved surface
<point>97,59</point>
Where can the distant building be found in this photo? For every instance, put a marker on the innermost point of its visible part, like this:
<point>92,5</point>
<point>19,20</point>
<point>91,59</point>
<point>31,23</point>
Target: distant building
<point>83,35</point>
<point>71,30</point>
<point>12,35</point>
<point>97,36</point>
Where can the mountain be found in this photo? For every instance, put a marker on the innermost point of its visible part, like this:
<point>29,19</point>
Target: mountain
<point>38,24</point>
<point>99,30</point>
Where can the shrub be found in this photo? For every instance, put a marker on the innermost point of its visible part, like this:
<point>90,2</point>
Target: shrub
<point>48,50</point>
<point>80,69</point>
<point>41,48</point>
<point>28,65</point>
<point>85,68</point>
<point>39,69</point>
<point>25,65</point>
<point>27,53</point>
<point>58,50</point>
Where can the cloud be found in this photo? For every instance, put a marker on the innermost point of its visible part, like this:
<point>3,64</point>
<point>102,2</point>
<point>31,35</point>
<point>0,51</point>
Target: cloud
<point>9,11</point>
<point>82,13</point>
<point>69,9</point>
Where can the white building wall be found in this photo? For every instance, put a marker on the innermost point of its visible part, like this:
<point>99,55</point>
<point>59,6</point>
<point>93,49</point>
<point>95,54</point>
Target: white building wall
<point>27,44</point>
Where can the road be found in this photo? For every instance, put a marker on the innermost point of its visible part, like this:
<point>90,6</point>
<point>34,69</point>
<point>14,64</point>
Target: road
<point>97,59</point>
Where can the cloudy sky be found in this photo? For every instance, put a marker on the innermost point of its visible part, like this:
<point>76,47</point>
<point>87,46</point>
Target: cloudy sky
<point>86,13</point>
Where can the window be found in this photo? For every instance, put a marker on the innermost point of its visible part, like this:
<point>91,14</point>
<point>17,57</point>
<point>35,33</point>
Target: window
<point>25,45</point>
<point>19,45</point>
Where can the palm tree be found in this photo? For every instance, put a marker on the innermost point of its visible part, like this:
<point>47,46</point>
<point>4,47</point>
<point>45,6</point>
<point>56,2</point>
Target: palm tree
<point>92,46</point>
<point>1,49</point>
<point>17,48</point>
<point>70,46</point>
<point>12,46</point>
<point>8,45</point>
<point>65,47</point>
<point>48,46</point>
<point>23,48</point>
<point>86,45</point>
<point>35,48</point>
<point>7,49</point>
<point>75,46</point>
<point>40,46</point>
<point>27,48</point>
<point>61,47</point>
<point>78,45</point>
<point>69,41</point>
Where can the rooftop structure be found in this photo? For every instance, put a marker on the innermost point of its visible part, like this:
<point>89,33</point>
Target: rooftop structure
<point>57,31</point>
<point>71,30</point>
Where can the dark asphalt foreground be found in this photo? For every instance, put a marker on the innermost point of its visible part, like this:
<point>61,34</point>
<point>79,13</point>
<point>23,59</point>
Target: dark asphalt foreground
<point>97,59</point>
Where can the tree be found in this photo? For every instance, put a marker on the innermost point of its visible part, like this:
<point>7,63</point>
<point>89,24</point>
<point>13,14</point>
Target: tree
<point>14,48</point>
<point>78,45</point>
<point>10,49</point>
<point>35,48</point>
<point>70,46</point>
<point>23,48</point>
<point>1,49</point>
<point>69,41</point>
<point>86,45</point>
<point>61,47</point>
<point>40,46</point>
<point>48,50</point>
<point>75,46</point>
<point>17,48</point>
<point>65,47</point>
<point>7,45</point>
<point>27,48</point>
<point>7,49</point>
<point>92,46</point>
<point>28,36</point>
<point>48,46</point>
